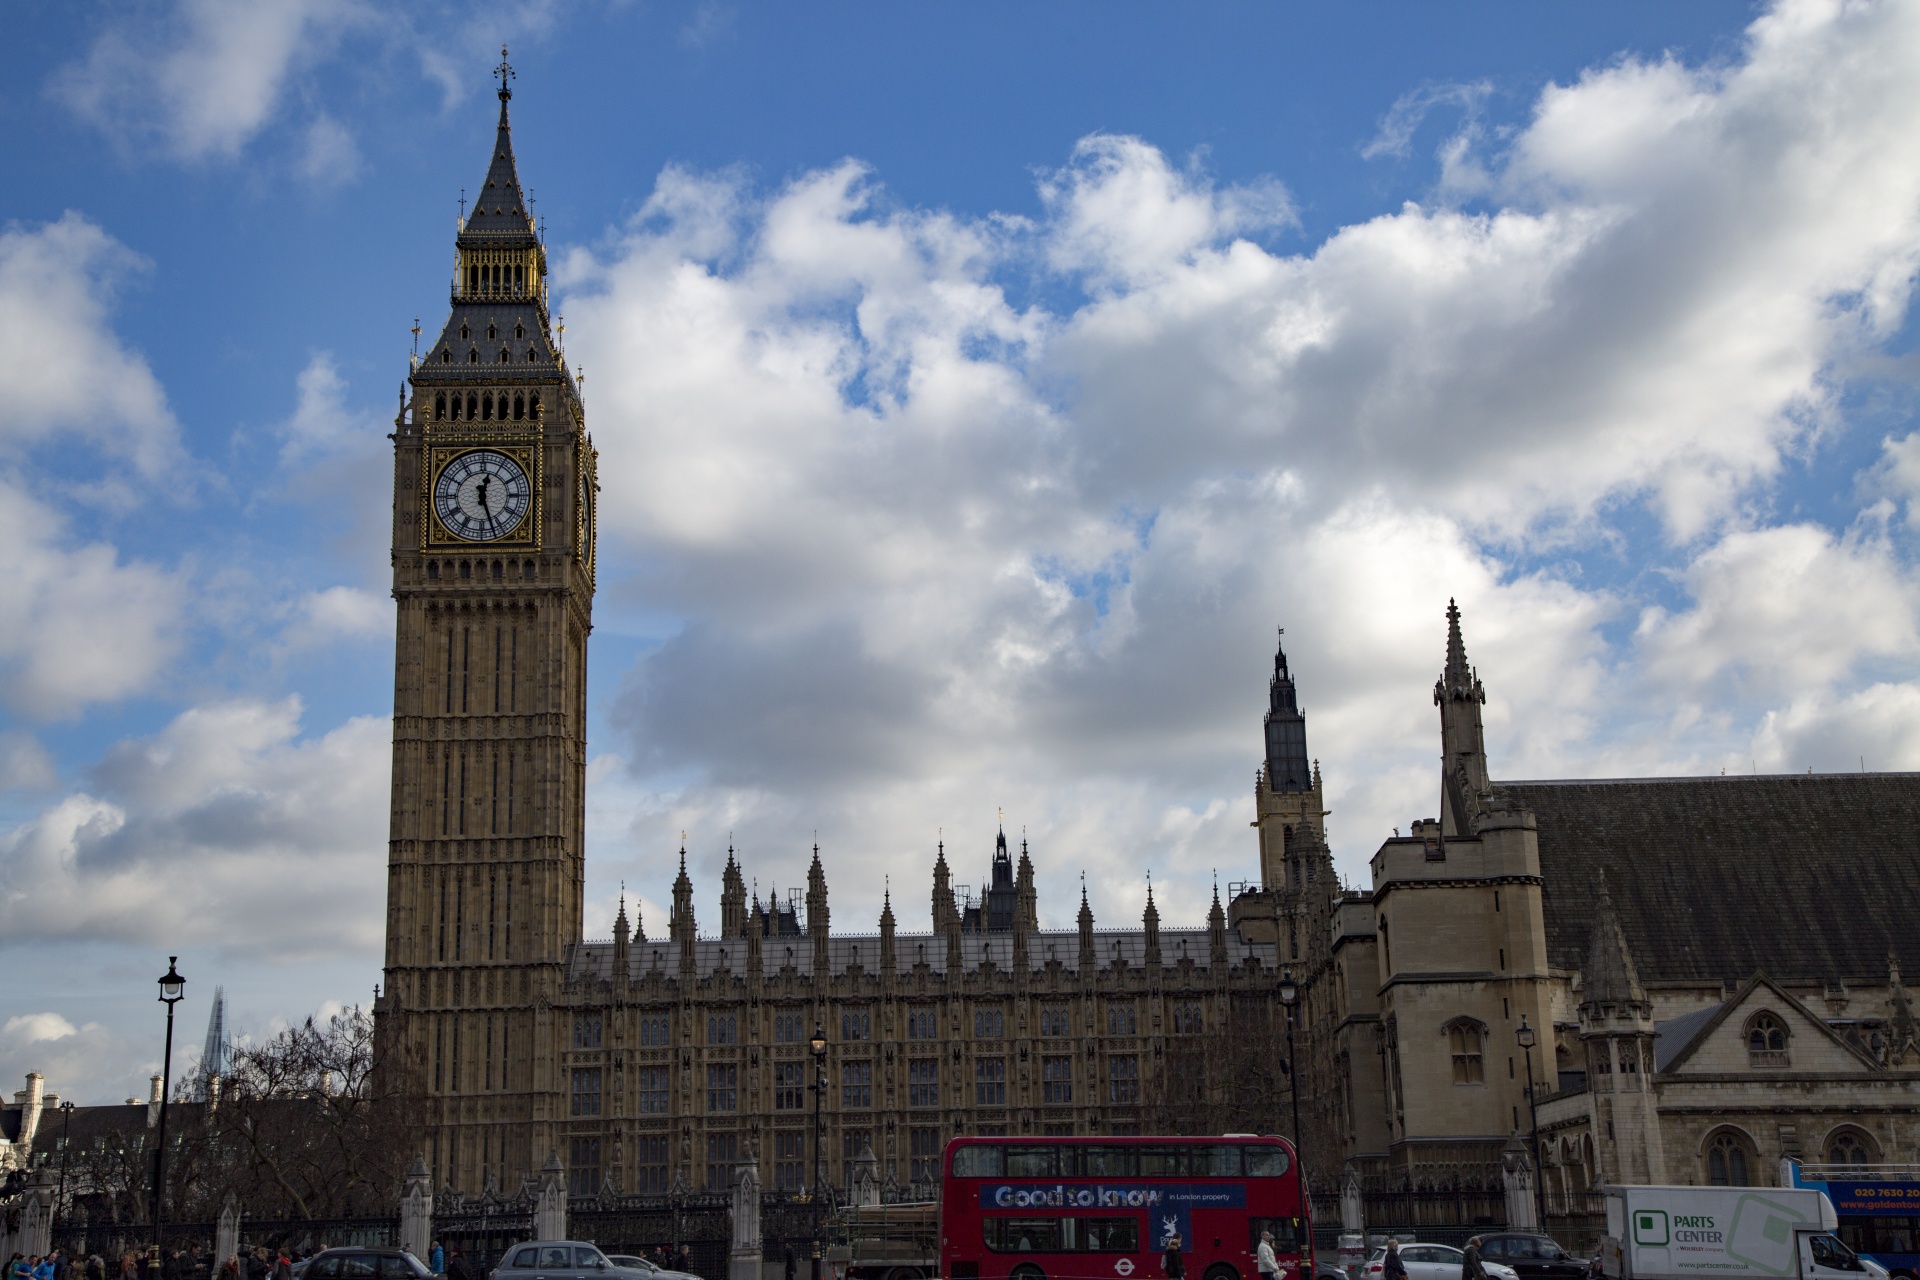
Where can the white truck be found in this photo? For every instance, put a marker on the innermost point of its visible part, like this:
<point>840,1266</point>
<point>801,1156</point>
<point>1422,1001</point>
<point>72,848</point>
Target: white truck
<point>1739,1233</point>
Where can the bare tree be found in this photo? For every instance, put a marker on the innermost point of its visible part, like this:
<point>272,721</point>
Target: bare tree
<point>309,1128</point>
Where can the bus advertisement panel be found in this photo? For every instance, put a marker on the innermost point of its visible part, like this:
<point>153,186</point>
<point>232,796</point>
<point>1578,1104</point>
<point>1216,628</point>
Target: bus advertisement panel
<point>1878,1207</point>
<point>1106,1208</point>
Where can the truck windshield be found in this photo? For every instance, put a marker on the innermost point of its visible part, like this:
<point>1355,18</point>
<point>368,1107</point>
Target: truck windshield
<point>1829,1252</point>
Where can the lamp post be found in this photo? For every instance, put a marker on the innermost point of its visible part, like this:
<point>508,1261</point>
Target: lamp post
<point>819,1047</point>
<point>66,1144</point>
<point>1526,1036</point>
<point>1289,994</point>
<point>172,986</point>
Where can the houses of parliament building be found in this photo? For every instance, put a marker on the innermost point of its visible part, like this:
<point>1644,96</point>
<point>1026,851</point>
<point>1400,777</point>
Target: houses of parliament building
<point>1699,975</point>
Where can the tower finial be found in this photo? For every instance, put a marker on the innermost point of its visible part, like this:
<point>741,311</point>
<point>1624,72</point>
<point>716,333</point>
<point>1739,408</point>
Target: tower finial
<point>505,72</point>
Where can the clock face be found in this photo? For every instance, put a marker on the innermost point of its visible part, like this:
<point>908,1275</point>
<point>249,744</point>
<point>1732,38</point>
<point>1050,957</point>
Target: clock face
<point>482,496</point>
<point>586,519</point>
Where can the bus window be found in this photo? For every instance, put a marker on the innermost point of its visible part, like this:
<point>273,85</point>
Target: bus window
<point>1034,1162</point>
<point>1021,1235</point>
<point>977,1162</point>
<point>1107,1235</point>
<point>1266,1162</point>
<point>1222,1162</point>
<point>1109,1162</point>
<point>1174,1162</point>
<point>1286,1234</point>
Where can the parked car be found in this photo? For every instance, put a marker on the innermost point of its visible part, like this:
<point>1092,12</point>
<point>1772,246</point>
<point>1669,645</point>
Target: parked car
<point>1433,1262</point>
<point>1532,1256</point>
<point>358,1263</point>
<point>575,1260</point>
<point>634,1262</point>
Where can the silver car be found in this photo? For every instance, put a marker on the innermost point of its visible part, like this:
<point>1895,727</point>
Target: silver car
<point>575,1260</point>
<point>1433,1262</point>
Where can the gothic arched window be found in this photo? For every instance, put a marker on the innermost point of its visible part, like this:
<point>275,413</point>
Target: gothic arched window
<point>1729,1155</point>
<point>1766,1041</point>
<point>519,407</point>
<point>473,406</point>
<point>440,406</point>
<point>505,355</point>
<point>1466,1041</point>
<point>473,356</point>
<point>1849,1147</point>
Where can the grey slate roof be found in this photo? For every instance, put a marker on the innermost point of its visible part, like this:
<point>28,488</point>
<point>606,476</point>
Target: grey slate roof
<point>1674,1036</point>
<point>595,959</point>
<point>1802,876</point>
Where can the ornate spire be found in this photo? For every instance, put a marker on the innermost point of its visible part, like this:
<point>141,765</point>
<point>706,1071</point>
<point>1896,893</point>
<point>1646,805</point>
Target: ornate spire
<point>1150,924</point>
<point>1286,729</point>
<point>500,208</point>
<point>1463,749</point>
<point>1086,930</point>
<point>1217,925</point>
<point>1608,977</point>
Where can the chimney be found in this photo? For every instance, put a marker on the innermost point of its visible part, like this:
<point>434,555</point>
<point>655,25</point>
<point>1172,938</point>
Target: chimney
<point>153,1101</point>
<point>31,1102</point>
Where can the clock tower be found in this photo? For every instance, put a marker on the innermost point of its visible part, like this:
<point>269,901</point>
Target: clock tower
<point>493,574</point>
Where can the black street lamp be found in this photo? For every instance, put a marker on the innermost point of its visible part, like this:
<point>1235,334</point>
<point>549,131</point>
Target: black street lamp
<point>1526,1036</point>
<point>172,987</point>
<point>66,1144</point>
<point>1289,994</point>
<point>819,1047</point>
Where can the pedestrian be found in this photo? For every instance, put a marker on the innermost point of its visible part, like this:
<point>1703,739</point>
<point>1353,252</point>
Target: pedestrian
<point>1264,1259</point>
<point>457,1268</point>
<point>282,1265</point>
<point>439,1260</point>
<point>62,1268</point>
<point>1393,1267</point>
<point>96,1267</point>
<point>789,1260</point>
<point>1171,1263</point>
<point>43,1268</point>
<point>1471,1268</point>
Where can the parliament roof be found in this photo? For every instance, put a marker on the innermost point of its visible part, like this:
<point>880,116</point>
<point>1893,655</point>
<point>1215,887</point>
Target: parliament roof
<point>1807,877</point>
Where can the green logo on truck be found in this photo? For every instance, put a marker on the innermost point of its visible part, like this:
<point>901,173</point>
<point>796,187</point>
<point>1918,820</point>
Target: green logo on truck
<point>1650,1227</point>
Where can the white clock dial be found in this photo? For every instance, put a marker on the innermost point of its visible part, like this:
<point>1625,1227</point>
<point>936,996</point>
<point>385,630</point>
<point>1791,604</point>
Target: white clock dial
<point>482,496</point>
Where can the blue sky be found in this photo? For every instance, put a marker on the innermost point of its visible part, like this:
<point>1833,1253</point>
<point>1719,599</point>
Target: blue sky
<point>977,388</point>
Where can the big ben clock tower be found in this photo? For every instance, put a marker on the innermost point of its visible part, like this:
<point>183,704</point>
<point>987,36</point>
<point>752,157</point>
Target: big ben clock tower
<point>493,546</point>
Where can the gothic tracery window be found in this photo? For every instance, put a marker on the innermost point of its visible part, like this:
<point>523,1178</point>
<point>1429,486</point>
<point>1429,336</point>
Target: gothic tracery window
<point>1466,1041</point>
<point>1766,1041</point>
<point>1728,1156</point>
<point>1848,1147</point>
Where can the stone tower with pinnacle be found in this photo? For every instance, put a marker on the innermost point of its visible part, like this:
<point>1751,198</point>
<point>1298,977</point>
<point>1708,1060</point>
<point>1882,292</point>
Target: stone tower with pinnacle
<point>493,577</point>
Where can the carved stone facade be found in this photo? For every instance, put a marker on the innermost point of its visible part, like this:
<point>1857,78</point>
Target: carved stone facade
<point>1709,968</point>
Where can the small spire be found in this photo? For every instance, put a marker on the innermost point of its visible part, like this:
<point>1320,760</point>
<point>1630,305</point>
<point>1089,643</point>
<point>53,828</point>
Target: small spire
<point>505,72</point>
<point>1458,673</point>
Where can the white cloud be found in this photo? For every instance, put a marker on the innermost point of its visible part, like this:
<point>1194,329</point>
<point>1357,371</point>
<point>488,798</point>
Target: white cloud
<point>35,1027</point>
<point>1395,137</point>
<point>929,552</point>
<point>67,375</point>
<point>331,157</point>
<point>205,833</point>
<point>342,613</point>
<point>204,77</point>
<point>78,625</point>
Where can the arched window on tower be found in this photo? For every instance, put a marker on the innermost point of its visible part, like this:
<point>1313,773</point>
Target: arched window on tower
<point>533,405</point>
<point>473,355</point>
<point>440,406</point>
<point>473,406</point>
<point>1729,1157</point>
<point>486,407</point>
<point>1466,1042</point>
<point>519,407</point>
<point>505,355</point>
<point>1766,1041</point>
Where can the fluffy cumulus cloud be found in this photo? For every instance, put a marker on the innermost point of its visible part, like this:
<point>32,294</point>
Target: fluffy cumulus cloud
<point>925,549</point>
<point>227,828</point>
<point>67,374</point>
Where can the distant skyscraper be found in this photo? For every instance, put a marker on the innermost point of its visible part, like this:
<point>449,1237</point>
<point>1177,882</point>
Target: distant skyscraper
<point>216,1058</point>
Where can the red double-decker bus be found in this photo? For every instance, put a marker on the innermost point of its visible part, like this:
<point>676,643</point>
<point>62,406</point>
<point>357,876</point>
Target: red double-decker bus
<point>1104,1208</point>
